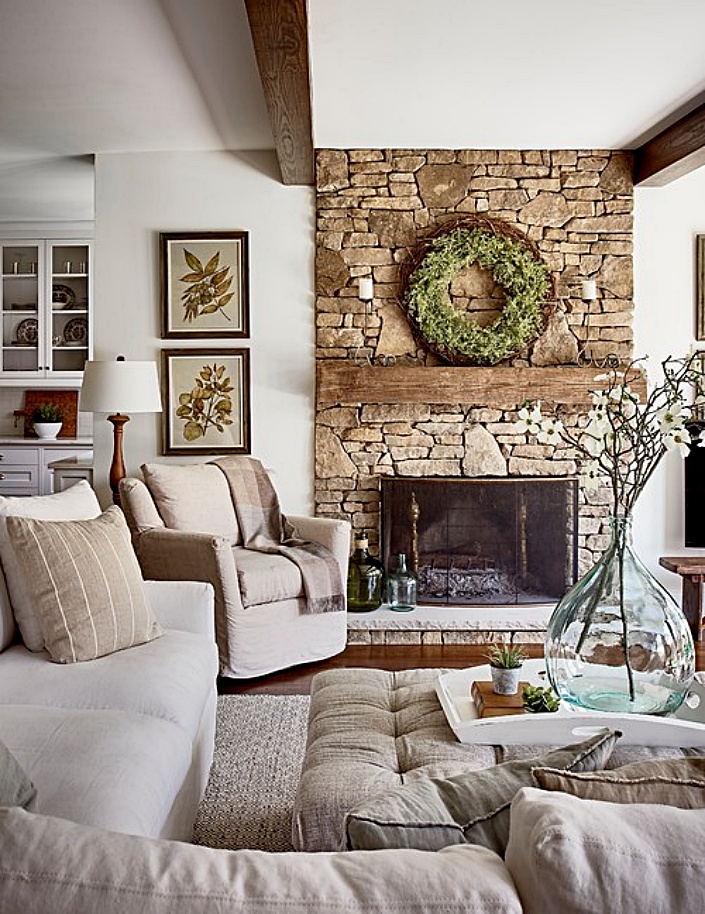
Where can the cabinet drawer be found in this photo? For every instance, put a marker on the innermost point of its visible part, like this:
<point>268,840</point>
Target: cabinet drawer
<point>19,456</point>
<point>19,480</point>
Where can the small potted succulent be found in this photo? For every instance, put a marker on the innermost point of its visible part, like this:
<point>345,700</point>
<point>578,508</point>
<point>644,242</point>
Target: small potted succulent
<point>47,420</point>
<point>506,661</point>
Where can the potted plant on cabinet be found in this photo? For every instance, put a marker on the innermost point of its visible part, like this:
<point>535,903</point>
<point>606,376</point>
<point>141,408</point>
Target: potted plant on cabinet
<point>506,661</point>
<point>47,420</point>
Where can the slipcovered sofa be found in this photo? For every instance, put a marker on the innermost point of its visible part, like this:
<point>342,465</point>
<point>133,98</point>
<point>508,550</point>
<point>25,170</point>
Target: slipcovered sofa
<point>566,855</point>
<point>124,741</point>
<point>184,527</point>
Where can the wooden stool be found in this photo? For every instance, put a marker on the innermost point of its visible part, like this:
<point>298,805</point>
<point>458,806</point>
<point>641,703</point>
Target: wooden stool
<point>692,570</point>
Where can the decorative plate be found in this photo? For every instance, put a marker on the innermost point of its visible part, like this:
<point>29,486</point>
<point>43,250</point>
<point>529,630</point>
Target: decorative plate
<point>63,295</point>
<point>76,331</point>
<point>27,331</point>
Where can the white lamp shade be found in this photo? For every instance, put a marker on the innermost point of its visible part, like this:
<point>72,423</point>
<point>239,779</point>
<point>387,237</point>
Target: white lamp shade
<point>120,387</point>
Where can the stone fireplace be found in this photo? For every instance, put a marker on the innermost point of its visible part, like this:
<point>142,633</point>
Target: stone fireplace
<point>386,408</point>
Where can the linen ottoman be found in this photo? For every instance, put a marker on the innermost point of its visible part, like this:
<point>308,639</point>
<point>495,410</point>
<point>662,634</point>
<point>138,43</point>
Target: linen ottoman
<point>373,730</point>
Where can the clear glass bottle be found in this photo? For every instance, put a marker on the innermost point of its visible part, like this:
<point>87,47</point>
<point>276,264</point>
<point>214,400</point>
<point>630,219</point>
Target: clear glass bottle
<point>365,578</point>
<point>618,641</point>
<point>401,586</point>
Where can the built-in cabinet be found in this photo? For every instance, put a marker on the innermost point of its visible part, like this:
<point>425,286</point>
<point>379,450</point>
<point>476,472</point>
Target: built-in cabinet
<point>24,469</point>
<point>45,302</point>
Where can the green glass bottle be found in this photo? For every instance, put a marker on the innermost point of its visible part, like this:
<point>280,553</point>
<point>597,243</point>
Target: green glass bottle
<point>365,578</point>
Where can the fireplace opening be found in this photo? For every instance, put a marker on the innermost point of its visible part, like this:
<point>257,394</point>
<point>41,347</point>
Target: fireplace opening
<point>483,541</point>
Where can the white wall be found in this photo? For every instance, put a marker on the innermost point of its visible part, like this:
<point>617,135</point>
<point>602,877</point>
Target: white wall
<point>666,222</point>
<point>139,195</point>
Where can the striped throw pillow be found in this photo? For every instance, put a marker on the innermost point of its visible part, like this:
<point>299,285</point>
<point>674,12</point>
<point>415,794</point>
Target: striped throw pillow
<point>85,582</point>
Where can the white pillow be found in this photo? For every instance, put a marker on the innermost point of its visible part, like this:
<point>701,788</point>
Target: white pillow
<point>194,498</point>
<point>79,502</point>
<point>570,854</point>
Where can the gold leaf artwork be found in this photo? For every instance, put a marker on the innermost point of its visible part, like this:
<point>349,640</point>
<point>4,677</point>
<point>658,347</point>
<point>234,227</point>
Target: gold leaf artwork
<point>207,287</point>
<point>207,404</point>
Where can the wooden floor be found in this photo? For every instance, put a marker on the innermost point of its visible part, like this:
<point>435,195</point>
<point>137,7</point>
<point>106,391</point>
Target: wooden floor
<point>297,680</point>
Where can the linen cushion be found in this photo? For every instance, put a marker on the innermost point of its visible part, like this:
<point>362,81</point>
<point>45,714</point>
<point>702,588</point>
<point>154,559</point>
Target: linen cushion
<point>569,854</point>
<point>85,583</point>
<point>16,789</point>
<point>79,502</point>
<point>109,768</point>
<point>265,577</point>
<point>673,782</point>
<point>194,498</point>
<point>86,870</point>
<point>468,808</point>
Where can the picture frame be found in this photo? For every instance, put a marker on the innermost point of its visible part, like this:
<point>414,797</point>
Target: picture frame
<point>204,278</point>
<point>700,287</point>
<point>206,396</point>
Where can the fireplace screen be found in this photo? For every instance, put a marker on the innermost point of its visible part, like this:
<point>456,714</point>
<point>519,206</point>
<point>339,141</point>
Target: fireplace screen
<point>483,541</point>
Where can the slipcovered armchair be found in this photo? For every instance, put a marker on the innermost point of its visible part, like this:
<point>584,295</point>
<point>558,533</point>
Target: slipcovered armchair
<point>184,527</point>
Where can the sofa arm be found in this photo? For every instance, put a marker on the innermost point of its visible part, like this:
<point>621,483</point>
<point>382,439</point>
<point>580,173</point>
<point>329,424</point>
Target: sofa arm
<point>330,532</point>
<point>186,606</point>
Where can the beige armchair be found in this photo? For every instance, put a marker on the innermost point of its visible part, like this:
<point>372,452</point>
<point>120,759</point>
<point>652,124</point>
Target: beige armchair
<point>184,527</point>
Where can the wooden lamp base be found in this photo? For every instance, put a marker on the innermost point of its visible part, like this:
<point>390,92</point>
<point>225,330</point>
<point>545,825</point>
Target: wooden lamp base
<point>117,467</point>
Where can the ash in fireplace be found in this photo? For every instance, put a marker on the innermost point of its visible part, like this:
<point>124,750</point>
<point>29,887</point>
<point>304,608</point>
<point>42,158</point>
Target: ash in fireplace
<point>464,579</point>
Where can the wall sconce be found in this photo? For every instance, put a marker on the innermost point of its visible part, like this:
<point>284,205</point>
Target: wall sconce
<point>588,290</point>
<point>365,288</point>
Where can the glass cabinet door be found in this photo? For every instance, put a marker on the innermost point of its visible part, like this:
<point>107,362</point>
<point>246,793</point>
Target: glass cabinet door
<point>69,297</point>
<point>21,296</point>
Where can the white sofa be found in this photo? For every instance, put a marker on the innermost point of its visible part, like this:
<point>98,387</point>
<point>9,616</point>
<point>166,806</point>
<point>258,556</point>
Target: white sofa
<point>123,742</point>
<point>566,856</point>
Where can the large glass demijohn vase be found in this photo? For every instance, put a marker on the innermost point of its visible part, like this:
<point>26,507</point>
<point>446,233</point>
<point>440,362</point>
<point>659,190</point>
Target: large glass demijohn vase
<point>618,641</point>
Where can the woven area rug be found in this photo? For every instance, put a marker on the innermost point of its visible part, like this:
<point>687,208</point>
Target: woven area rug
<point>259,747</point>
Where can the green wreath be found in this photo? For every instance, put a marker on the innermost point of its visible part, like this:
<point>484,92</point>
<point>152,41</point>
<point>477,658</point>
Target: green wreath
<point>449,331</point>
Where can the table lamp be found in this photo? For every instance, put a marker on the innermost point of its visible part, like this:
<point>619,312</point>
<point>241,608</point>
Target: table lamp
<point>119,387</point>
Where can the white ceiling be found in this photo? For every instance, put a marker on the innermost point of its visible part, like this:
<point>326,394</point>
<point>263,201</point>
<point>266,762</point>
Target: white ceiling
<point>84,76</point>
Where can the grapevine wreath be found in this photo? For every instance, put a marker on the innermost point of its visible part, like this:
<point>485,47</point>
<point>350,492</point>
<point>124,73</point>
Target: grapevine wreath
<point>515,265</point>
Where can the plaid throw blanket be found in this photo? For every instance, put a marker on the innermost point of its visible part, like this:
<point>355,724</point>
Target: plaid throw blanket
<point>265,529</point>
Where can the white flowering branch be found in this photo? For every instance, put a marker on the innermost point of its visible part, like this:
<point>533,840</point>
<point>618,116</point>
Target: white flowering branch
<point>623,439</point>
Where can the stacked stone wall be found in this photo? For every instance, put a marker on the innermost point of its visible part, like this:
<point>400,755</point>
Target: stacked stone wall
<point>373,207</point>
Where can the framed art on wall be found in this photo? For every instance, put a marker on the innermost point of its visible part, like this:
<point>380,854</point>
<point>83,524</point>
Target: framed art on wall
<point>206,401</point>
<point>700,287</point>
<point>204,285</point>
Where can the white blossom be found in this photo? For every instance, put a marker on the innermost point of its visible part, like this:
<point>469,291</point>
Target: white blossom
<point>677,439</point>
<point>590,475</point>
<point>672,416</point>
<point>550,431</point>
<point>529,420</point>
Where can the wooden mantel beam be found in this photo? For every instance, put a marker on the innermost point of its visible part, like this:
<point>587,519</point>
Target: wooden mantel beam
<point>676,151</point>
<point>343,382</point>
<point>280,35</point>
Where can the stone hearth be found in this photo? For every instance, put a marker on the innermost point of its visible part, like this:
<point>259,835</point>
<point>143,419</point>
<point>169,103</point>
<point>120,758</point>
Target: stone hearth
<point>440,625</point>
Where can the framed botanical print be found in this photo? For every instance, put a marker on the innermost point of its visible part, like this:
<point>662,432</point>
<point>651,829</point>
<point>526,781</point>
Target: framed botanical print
<point>700,287</point>
<point>204,285</point>
<point>206,395</point>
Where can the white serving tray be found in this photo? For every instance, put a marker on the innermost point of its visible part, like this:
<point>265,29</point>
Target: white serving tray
<point>569,724</point>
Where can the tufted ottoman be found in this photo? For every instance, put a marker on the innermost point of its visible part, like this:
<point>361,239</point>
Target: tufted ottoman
<point>372,730</point>
<point>369,731</point>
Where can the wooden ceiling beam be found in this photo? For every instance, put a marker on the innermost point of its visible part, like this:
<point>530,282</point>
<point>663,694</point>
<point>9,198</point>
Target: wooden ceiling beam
<point>280,35</point>
<point>676,151</point>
